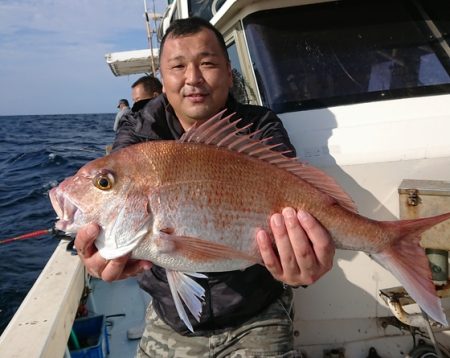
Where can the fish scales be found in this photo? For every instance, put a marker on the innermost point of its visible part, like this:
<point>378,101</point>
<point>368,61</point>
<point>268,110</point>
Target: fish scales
<point>222,196</point>
<point>218,198</point>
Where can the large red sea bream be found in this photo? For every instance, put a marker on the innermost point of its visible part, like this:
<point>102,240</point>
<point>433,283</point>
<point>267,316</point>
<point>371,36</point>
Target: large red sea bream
<point>195,205</point>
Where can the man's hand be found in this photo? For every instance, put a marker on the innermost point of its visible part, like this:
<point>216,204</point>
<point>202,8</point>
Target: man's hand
<point>305,249</point>
<point>97,266</point>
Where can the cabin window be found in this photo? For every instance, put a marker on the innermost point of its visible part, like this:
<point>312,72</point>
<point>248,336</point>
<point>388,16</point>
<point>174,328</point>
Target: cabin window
<point>348,52</point>
<point>204,8</point>
<point>240,88</point>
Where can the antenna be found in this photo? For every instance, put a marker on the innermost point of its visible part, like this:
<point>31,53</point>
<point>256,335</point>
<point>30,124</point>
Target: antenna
<point>150,32</point>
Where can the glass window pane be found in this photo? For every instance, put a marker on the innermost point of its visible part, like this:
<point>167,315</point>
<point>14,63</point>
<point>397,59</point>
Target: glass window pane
<point>240,88</point>
<point>439,11</point>
<point>344,52</point>
<point>204,8</point>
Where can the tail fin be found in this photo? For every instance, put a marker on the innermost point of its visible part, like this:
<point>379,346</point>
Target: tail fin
<point>407,261</point>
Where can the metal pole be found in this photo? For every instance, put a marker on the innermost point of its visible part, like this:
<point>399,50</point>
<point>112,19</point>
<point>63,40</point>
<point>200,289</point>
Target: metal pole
<point>149,37</point>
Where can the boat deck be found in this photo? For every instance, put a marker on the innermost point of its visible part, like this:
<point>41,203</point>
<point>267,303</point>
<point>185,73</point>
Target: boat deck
<point>124,313</point>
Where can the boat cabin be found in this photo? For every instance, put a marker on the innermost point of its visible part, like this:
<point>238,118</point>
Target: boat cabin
<point>363,89</point>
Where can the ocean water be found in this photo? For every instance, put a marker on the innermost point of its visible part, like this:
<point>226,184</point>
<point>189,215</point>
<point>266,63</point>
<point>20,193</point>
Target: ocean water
<point>36,153</point>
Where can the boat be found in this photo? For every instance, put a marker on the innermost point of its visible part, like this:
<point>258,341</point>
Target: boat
<point>363,89</point>
<point>132,62</point>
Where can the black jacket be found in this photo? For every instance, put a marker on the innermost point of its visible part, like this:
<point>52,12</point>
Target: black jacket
<point>232,297</point>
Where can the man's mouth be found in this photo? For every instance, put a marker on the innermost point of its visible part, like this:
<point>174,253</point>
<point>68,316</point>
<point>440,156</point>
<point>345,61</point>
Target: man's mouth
<point>196,97</point>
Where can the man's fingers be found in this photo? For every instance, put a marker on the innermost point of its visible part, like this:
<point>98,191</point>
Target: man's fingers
<point>113,269</point>
<point>97,266</point>
<point>301,249</point>
<point>282,239</point>
<point>319,238</point>
<point>116,269</point>
<point>134,267</point>
<point>268,255</point>
<point>85,238</point>
<point>304,250</point>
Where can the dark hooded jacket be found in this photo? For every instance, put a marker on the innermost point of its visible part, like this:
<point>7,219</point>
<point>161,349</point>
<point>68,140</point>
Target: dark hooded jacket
<point>231,297</point>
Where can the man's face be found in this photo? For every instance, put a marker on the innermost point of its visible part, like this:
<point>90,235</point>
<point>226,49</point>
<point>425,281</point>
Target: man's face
<point>196,76</point>
<point>138,93</point>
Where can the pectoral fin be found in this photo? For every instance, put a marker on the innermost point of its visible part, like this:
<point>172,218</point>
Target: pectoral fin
<point>185,289</point>
<point>202,250</point>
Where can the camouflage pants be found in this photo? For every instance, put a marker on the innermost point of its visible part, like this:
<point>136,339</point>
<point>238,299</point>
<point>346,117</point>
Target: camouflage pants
<point>270,334</point>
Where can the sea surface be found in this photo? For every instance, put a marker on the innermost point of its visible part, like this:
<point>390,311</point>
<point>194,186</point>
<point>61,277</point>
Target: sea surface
<point>36,153</point>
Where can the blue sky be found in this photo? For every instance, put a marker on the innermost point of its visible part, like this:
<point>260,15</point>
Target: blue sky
<point>52,53</point>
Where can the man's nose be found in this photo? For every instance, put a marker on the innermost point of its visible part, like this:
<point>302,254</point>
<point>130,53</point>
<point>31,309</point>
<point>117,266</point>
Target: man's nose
<point>194,75</point>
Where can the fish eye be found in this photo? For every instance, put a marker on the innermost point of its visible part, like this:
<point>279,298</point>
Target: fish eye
<point>104,181</point>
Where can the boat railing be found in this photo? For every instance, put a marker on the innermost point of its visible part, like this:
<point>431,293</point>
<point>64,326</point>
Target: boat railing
<point>42,324</point>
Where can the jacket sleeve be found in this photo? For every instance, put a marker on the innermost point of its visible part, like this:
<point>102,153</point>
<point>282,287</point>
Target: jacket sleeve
<point>125,134</point>
<point>273,128</point>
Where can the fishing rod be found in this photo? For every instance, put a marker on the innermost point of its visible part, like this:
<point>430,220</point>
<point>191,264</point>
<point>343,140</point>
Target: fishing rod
<point>52,231</point>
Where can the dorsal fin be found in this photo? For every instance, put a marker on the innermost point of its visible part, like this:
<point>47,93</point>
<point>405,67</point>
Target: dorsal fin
<point>221,132</point>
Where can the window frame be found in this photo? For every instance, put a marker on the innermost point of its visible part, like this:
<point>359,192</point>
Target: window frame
<point>236,35</point>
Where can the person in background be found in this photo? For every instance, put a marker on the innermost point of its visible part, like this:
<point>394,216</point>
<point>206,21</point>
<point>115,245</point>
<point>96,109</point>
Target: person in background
<point>246,313</point>
<point>124,108</point>
<point>143,90</point>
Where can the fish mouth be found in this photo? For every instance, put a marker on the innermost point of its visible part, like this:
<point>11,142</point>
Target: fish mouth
<point>64,208</point>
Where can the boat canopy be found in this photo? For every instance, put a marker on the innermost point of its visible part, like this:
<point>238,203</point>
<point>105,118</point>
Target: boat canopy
<point>132,62</point>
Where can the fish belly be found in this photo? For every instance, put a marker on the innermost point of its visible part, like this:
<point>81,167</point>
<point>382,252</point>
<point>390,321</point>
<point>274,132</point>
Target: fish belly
<point>198,210</point>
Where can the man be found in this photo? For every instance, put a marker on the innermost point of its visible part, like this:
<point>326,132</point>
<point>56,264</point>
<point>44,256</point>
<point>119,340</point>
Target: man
<point>124,108</point>
<point>143,90</point>
<point>246,313</point>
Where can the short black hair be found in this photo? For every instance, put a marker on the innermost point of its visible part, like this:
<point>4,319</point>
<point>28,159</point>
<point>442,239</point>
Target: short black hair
<point>191,26</point>
<point>150,83</point>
